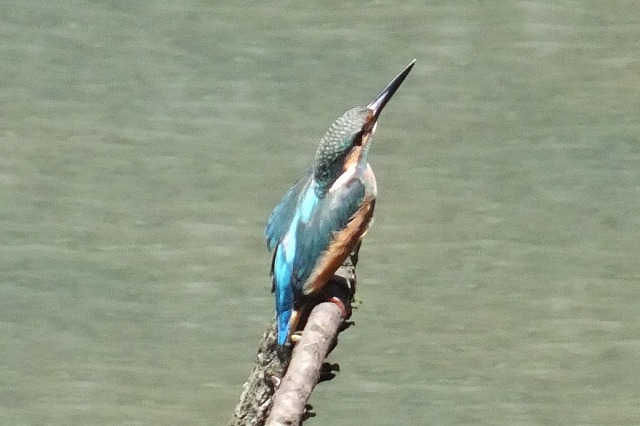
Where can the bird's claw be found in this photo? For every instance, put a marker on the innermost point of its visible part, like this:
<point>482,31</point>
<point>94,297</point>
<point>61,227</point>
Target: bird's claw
<point>295,337</point>
<point>340,305</point>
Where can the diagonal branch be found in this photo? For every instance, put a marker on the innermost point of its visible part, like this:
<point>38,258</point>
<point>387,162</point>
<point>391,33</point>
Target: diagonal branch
<point>257,405</point>
<point>306,362</point>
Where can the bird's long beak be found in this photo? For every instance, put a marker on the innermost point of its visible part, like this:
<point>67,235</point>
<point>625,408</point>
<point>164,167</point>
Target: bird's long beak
<point>379,102</point>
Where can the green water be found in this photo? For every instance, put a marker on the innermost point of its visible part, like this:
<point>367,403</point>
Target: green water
<point>143,144</point>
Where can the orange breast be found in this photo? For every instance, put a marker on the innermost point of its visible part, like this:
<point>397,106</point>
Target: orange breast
<point>340,247</point>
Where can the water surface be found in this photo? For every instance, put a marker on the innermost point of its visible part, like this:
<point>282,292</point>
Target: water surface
<point>143,145</point>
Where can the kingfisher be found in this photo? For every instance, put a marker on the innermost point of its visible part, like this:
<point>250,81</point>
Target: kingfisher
<point>323,216</point>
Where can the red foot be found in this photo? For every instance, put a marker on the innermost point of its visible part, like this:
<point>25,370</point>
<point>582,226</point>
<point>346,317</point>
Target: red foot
<point>340,305</point>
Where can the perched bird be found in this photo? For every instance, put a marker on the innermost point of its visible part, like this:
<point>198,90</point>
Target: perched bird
<point>321,219</point>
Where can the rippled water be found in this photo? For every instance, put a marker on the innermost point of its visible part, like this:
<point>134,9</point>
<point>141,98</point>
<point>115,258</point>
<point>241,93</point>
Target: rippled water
<point>142,146</point>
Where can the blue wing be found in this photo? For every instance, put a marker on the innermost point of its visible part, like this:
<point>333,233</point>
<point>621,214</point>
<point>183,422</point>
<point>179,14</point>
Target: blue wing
<point>281,217</point>
<point>318,237</point>
<point>280,234</point>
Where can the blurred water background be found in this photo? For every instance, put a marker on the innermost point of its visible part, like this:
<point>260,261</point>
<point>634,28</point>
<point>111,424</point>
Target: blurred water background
<point>143,144</point>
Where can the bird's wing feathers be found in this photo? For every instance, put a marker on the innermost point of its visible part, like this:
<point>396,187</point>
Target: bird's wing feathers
<point>329,237</point>
<point>343,242</point>
<point>281,217</point>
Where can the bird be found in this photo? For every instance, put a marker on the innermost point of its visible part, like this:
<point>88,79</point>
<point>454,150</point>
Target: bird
<point>324,215</point>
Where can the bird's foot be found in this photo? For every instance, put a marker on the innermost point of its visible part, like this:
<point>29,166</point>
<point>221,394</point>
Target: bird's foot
<point>295,337</point>
<point>336,301</point>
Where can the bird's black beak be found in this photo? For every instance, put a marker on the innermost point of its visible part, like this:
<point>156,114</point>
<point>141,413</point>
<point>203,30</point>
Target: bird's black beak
<point>379,102</point>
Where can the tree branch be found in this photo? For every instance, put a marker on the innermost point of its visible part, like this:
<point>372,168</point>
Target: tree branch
<point>256,398</point>
<point>304,370</point>
<point>257,405</point>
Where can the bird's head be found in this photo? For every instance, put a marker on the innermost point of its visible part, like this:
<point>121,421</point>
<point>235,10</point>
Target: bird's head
<point>347,141</point>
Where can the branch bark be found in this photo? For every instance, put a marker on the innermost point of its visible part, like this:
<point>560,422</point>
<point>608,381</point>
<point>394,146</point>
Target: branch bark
<point>306,362</point>
<point>257,405</point>
<point>256,398</point>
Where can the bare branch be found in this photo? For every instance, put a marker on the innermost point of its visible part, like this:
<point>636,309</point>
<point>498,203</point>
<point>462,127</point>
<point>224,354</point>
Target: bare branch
<point>306,362</point>
<point>256,398</point>
<point>303,371</point>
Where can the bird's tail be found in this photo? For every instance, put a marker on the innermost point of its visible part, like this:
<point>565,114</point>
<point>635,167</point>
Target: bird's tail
<point>283,326</point>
